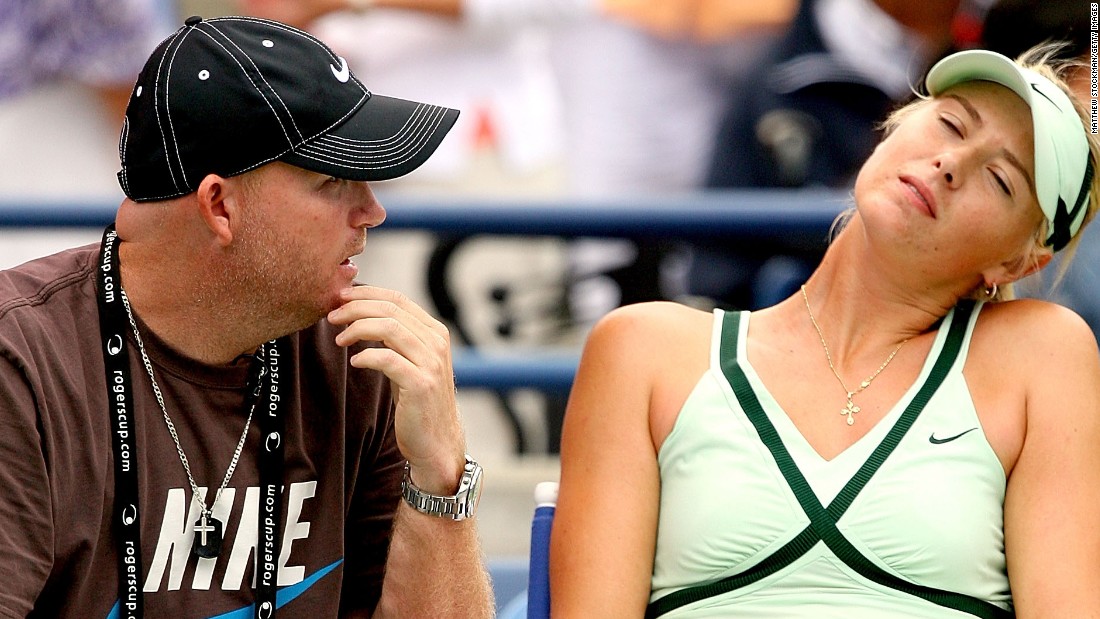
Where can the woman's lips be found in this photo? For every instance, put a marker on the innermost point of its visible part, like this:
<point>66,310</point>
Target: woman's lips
<point>921,195</point>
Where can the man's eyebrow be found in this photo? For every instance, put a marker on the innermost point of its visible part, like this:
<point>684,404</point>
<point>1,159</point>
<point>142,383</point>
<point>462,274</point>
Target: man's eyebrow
<point>969,107</point>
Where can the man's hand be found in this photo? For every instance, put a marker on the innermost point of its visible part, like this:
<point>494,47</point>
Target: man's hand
<point>435,566</point>
<point>416,357</point>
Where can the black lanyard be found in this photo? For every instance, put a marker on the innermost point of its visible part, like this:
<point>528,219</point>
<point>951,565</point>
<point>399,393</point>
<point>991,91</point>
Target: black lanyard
<point>113,324</point>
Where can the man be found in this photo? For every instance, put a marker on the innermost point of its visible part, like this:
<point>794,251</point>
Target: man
<point>235,436</point>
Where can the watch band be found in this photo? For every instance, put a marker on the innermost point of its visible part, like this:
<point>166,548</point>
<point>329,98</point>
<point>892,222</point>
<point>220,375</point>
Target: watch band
<point>459,506</point>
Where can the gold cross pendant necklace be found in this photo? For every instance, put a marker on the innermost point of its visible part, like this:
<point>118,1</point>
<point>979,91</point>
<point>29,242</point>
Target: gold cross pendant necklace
<point>850,408</point>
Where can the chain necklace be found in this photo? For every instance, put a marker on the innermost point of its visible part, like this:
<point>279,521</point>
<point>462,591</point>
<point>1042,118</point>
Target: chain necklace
<point>208,530</point>
<point>851,408</point>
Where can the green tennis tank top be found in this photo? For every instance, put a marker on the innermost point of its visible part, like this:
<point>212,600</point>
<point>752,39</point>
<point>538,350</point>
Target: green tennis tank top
<point>907,522</point>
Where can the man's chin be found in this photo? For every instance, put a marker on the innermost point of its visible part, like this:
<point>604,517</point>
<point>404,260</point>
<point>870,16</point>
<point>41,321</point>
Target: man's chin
<point>332,301</point>
<point>307,317</point>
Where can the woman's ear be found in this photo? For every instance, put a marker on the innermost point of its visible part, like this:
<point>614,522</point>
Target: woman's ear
<point>1040,261</point>
<point>1017,269</point>
<point>1029,264</point>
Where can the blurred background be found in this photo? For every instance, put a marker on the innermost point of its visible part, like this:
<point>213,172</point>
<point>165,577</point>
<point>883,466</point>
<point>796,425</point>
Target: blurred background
<point>689,150</point>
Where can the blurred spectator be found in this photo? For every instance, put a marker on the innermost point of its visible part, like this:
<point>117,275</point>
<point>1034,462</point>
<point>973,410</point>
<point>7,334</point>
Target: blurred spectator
<point>1010,27</point>
<point>640,80</point>
<point>807,116</point>
<point>642,102</point>
<point>66,70</point>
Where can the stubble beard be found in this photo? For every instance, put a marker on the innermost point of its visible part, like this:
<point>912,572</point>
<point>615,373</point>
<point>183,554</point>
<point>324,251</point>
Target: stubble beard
<point>264,281</point>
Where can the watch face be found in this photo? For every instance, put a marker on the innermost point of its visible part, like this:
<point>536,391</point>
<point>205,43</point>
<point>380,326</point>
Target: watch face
<point>474,495</point>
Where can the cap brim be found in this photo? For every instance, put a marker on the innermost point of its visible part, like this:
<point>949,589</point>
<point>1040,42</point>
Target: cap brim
<point>977,65</point>
<point>384,139</point>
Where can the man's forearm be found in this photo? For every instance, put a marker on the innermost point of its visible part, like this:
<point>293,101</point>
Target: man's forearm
<point>435,569</point>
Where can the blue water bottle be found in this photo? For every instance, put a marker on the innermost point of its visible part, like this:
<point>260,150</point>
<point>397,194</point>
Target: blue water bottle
<point>538,577</point>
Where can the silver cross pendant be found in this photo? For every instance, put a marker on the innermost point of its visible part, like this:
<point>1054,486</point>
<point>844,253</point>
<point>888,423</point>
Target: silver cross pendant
<point>208,537</point>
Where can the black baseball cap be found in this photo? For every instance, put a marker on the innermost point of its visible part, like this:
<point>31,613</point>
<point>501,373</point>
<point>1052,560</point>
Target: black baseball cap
<point>230,94</point>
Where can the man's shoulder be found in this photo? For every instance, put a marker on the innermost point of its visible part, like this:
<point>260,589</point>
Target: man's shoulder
<point>49,284</point>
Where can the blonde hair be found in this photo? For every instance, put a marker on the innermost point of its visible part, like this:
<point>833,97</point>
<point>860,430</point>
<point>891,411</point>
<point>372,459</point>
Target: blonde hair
<point>1042,59</point>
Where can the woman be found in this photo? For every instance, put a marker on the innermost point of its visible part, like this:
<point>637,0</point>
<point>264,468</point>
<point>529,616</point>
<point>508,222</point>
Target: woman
<point>706,471</point>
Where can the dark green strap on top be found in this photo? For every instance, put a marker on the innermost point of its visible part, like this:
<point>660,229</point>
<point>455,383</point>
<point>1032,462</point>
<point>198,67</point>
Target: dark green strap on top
<point>823,521</point>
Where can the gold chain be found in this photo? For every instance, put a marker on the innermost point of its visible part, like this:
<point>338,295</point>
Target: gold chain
<point>851,408</point>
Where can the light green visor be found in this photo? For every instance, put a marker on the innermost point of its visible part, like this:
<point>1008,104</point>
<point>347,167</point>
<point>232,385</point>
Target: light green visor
<point>1063,169</point>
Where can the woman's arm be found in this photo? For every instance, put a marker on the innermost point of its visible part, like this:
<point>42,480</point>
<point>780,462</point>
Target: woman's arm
<point>602,544</point>
<point>1052,506</point>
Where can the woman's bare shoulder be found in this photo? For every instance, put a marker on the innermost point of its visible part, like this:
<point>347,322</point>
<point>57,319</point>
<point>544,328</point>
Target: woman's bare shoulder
<point>642,326</point>
<point>1036,326</point>
<point>663,315</point>
<point>1043,349</point>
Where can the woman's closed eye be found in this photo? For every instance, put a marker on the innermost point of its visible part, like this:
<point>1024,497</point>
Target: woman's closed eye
<point>1002,182</point>
<point>952,125</point>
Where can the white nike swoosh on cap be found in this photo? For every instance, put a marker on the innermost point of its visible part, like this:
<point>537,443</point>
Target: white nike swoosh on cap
<point>342,73</point>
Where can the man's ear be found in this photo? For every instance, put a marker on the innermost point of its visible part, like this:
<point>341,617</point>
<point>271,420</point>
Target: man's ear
<point>219,201</point>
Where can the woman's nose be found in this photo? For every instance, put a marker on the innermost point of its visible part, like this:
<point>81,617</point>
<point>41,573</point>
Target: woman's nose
<point>947,164</point>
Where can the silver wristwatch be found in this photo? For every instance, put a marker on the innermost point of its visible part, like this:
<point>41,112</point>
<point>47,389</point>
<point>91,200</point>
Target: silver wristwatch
<point>458,507</point>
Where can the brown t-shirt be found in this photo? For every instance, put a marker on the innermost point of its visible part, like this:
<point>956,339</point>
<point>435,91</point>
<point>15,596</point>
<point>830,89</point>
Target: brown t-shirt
<point>57,552</point>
